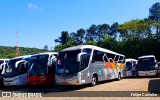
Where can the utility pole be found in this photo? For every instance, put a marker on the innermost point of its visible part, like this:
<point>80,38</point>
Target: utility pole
<point>17,47</point>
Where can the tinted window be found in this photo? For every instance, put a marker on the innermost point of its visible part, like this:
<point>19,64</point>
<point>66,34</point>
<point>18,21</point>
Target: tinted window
<point>97,55</point>
<point>109,56</point>
<point>128,66</point>
<point>88,51</point>
<point>67,61</point>
<point>117,58</point>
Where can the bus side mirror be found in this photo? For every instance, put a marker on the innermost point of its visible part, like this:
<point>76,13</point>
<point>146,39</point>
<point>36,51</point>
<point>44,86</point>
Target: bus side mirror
<point>1,66</point>
<point>51,61</point>
<point>79,56</point>
<point>18,62</point>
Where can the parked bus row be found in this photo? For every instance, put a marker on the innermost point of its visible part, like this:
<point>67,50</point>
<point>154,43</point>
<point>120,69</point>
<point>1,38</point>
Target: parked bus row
<point>31,69</point>
<point>77,65</point>
<point>144,66</point>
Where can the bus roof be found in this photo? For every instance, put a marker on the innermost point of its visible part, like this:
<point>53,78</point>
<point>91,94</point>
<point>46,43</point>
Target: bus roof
<point>25,56</point>
<point>91,47</point>
<point>49,53</point>
<point>130,59</point>
<point>5,59</point>
<point>146,56</point>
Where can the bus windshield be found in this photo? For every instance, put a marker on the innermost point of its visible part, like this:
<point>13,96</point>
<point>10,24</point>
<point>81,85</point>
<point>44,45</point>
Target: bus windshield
<point>67,62</point>
<point>38,65</point>
<point>146,64</point>
<point>128,66</point>
<point>11,71</point>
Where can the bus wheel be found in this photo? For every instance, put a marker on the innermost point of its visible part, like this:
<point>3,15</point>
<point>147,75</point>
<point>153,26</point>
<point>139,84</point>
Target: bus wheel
<point>119,76</point>
<point>94,80</point>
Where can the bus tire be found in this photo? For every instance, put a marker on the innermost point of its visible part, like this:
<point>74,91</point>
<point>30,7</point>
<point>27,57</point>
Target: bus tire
<point>119,77</point>
<point>94,80</point>
<point>157,74</point>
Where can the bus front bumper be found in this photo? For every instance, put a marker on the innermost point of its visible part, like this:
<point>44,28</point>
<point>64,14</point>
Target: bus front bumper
<point>61,80</point>
<point>40,80</point>
<point>128,73</point>
<point>12,82</point>
<point>147,73</point>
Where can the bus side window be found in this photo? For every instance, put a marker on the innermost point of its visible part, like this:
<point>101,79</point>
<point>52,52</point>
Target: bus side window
<point>110,56</point>
<point>116,59</point>
<point>98,56</point>
<point>121,59</point>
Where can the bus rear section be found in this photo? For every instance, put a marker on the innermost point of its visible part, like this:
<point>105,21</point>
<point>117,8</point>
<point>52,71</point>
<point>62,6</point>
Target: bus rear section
<point>147,66</point>
<point>88,64</point>
<point>16,72</point>
<point>3,66</point>
<point>41,69</point>
<point>131,67</point>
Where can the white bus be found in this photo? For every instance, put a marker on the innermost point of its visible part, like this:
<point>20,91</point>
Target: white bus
<point>88,64</point>
<point>147,65</point>
<point>131,67</point>
<point>16,72</point>
<point>3,66</point>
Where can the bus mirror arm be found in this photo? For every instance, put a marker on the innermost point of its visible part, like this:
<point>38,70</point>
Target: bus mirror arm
<point>79,56</point>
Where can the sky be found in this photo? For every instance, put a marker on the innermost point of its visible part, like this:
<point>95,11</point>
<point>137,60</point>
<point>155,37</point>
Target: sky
<point>40,22</point>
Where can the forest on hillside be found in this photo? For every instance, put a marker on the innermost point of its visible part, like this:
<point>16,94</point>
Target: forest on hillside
<point>10,52</point>
<point>134,38</point>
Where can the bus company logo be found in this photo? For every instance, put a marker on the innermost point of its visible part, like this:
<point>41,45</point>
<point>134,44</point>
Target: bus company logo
<point>6,94</point>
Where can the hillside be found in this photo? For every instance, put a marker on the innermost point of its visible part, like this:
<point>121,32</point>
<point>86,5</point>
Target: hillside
<point>9,52</point>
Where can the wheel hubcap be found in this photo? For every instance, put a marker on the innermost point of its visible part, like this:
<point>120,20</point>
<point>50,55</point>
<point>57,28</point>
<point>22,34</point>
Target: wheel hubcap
<point>94,81</point>
<point>119,77</point>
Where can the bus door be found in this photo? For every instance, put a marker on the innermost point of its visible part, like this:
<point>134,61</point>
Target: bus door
<point>83,64</point>
<point>51,68</point>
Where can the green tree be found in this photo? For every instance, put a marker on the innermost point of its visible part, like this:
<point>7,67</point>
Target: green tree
<point>103,30</point>
<point>90,43</point>
<point>80,36</point>
<point>108,43</point>
<point>154,14</point>
<point>114,29</point>
<point>135,29</point>
<point>77,38</point>
<point>91,33</point>
<point>45,47</point>
<point>64,38</point>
